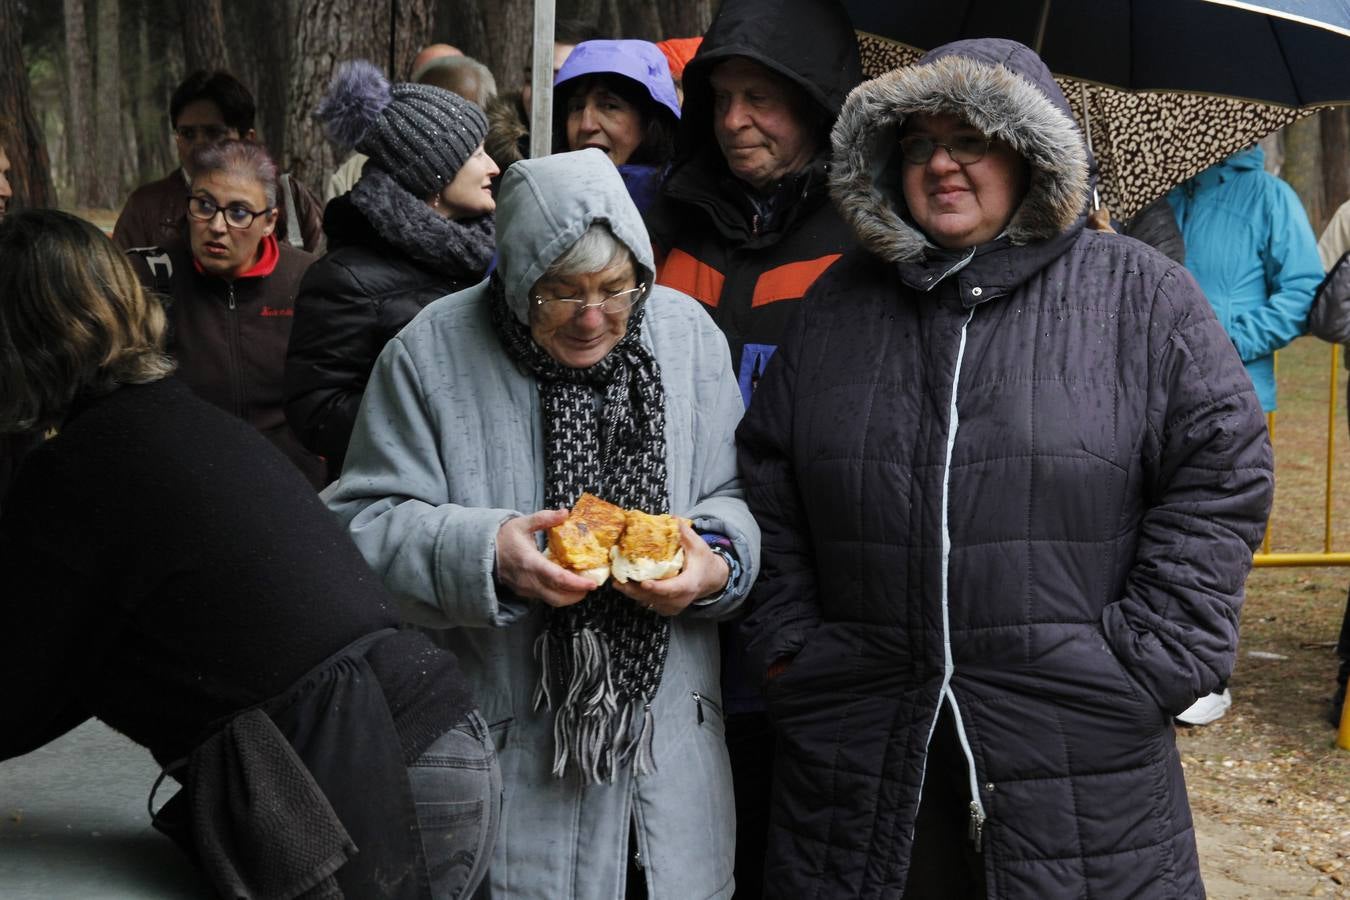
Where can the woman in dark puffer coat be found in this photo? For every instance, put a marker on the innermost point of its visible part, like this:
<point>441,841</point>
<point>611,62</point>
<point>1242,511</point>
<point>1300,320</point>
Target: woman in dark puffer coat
<point>417,226</point>
<point>1009,473</point>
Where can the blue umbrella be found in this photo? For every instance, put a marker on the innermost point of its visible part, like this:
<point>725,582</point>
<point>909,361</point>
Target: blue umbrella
<point>1294,53</point>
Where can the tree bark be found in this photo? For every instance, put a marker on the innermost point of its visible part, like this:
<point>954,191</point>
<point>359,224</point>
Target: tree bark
<point>1302,166</point>
<point>20,132</point>
<point>412,21</point>
<point>204,44</point>
<point>109,129</point>
<point>497,33</point>
<point>1335,159</point>
<point>327,32</point>
<point>79,105</point>
<point>685,18</point>
<point>640,19</point>
<point>260,33</point>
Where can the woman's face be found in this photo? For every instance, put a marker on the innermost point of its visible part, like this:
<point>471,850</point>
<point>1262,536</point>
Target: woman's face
<point>574,335</point>
<point>598,117</point>
<point>470,193</point>
<point>961,205</point>
<point>224,250</point>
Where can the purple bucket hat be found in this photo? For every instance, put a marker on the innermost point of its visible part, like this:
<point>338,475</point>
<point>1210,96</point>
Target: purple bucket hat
<point>640,61</point>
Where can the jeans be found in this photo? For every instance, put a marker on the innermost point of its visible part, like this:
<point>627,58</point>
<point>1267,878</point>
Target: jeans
<point>457,788</point>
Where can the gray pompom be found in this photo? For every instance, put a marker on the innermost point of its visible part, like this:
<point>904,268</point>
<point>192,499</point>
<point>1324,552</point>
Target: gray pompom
<point>357,95</point>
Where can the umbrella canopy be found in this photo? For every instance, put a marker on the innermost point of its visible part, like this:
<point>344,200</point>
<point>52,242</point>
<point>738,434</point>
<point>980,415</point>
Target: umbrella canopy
<point>1286,52</point>
<point>1144,143</point>
<point>1163,88</point>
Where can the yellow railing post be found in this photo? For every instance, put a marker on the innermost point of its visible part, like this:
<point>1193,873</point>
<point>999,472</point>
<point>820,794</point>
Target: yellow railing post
<point>1331,444</point>
<point>1343,736</point>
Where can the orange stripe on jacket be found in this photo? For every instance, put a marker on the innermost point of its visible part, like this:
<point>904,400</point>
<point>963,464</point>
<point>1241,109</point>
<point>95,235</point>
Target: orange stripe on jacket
<point>688,275</point>
<point>791,281</point>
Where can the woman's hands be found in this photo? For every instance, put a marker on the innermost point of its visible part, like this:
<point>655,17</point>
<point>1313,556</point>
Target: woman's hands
<point>705,573</point>
<point>530,574</point>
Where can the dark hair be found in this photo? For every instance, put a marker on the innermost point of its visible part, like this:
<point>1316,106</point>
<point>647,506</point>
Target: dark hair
<point>658,123</point>
<point>75,321</point>
<point>223,89</point>
<point>242,157</point>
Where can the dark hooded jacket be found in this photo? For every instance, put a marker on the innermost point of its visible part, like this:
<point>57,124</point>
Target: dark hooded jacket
<point>360,294</point>
<point>740,258</point>
<point>1022,481</point>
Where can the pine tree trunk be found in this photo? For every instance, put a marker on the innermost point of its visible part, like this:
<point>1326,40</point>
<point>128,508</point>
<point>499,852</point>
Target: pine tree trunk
<point>327,32</point>
<point>261,34</point>
<point>1335,159</point>
<point>1302,166</point>
<point>685,18</point>
<point>20,131</point>
<point>640,19</point>
<point>204,35</point>
<point>412,32</point>
<point>108,113</point>
<point>497,33</point>
<point>79,106</point>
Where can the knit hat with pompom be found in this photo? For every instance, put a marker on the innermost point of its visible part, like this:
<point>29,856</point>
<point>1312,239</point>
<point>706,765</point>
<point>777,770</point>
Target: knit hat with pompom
<point>419,134</point>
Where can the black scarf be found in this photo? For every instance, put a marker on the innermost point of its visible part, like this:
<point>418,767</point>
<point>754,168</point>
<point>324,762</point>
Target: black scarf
<point>601,660</point>
<point>461,249</point>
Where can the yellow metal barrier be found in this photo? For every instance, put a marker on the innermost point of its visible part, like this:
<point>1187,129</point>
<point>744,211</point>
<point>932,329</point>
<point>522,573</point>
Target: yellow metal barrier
<point>1327,557</point>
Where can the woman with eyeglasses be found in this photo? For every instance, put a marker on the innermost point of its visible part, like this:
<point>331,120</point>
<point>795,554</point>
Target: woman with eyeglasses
<point>1011,473</point>
<point>231,293</point>
<point>484,420</point>
<point>416,226</point>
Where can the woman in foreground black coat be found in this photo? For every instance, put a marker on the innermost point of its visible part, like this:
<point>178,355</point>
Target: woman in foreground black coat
<point>1010,473</point>
<point>169,572</point>
<point>417,226</point>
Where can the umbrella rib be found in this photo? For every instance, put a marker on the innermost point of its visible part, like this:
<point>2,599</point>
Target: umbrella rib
<point>1284,58</point>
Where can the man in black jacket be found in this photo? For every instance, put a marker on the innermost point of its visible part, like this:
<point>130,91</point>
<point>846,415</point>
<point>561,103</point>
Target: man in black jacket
<point>745,226</point>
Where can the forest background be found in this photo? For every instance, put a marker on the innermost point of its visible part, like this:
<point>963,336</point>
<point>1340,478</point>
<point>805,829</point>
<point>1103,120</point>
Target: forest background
<point>85,84</point>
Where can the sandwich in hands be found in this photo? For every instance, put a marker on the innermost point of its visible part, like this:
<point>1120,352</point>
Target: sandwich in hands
<point>599,539</point>
<point>583,542</point>
<point>649,548</point>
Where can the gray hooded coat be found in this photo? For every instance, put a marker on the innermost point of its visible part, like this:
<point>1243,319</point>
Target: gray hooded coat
<point>449,445</point>
<point>1023,481</point>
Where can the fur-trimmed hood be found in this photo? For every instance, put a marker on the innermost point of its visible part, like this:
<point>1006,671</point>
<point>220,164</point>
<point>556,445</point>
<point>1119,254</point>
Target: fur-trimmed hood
<point>1002,88</point>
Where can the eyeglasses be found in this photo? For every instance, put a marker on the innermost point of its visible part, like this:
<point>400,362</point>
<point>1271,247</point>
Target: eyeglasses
<point>238,217</point>
<point>918,149</point>
<point>210,133</point>
<point>613,303</point>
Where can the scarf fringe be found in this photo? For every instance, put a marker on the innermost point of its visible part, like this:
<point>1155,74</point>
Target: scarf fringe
<point>592,726</point>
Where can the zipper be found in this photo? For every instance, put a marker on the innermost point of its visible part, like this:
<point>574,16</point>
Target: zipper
<point>975,829</point>
<point>236,351</point>
<point>699,700</point>
<point>635,830</point>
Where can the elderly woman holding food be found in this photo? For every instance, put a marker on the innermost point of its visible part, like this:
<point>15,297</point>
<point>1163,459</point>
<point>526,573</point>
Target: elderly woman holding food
<point>566,373</point>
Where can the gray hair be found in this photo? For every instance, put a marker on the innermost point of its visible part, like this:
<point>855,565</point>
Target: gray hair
<point>241,157</point>
<point>462,75</point>
<point>596,250</point>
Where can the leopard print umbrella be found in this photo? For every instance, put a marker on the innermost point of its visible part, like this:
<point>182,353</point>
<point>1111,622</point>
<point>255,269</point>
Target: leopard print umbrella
<point>1145,142</point>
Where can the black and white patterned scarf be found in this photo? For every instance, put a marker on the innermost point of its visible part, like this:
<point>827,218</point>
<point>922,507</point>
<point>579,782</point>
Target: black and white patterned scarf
<point>601,660</point>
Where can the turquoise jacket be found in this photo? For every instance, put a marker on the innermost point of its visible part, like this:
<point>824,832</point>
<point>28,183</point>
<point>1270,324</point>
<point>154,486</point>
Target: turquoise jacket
<point>1249,245</point>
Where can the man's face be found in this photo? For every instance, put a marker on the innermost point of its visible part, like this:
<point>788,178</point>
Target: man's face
<point>560,54</point>
<point>756,123</point>
<point>200,122</point>
<point>6,192</point>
